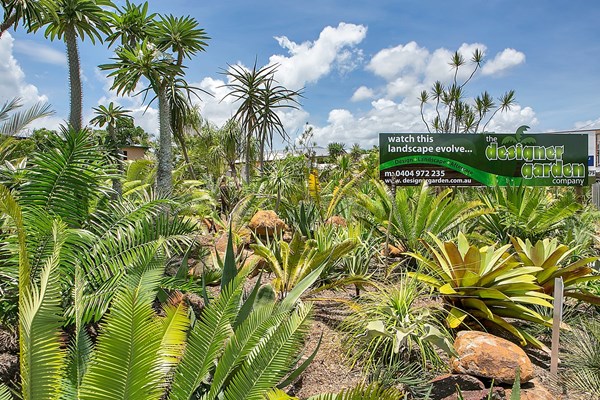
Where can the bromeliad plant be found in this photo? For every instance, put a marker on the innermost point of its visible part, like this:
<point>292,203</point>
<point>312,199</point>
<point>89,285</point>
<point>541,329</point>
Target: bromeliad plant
<point>553,259</point>
<point>483,285</point>
<point>292,262</point>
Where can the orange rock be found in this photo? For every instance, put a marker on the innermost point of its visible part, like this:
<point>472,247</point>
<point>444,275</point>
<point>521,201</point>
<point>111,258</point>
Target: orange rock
<point>336,220</point>
<point>484,355</point>
<point>266,223</point>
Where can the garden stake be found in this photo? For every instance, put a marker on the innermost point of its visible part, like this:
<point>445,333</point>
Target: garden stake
<point>558,308</point>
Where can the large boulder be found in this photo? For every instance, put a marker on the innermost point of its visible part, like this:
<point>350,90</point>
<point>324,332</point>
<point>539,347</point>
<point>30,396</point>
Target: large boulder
<point>488,356</point>
<point>266,223</point>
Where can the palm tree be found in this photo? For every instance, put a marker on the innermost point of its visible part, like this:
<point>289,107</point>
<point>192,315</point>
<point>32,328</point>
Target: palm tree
<point>13,120</point>
<point>110,116</point>
<point>130,24</point>
<point>28,12</point>
<point>260,98</point>
<point>69,20</point>
<point>152,59</point>
<point>274,97</point>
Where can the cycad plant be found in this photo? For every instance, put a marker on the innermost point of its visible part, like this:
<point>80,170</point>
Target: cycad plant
<point>525,212</point>
<point>415,211</point>
<point>484,284</point>
<point>69,181</point>
<point>237,349</point>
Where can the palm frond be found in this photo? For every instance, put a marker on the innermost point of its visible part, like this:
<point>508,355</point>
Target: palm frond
<point>17,121</point>
<point>269,362</point>
<point>65,180</point>
<point>206,341</point>
<point>40,317</point>
<point>125,363</point>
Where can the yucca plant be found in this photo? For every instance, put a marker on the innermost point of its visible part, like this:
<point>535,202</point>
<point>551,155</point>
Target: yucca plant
<point>292,262</point>
<point>483,285</point>
<point>554,259</point>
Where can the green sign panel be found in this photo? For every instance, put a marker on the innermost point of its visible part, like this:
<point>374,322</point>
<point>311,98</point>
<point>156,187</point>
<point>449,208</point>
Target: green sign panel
<point>489,159</point>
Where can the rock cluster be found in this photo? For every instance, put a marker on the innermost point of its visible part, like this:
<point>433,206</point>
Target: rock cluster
<point>482,357</point>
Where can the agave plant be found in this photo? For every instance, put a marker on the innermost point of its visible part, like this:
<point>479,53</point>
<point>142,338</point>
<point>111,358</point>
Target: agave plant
<point>485,284</point>
<point>553,259</point>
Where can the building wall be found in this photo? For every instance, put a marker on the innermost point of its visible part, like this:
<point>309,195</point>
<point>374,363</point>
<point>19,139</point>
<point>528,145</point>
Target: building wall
<point>133,153</point>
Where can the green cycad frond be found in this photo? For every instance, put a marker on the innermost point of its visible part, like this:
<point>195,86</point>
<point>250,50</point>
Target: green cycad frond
<point>175,325</point>
<point>361,392</point>
<point>206,341</point>
<point>65,179</point>
<point>269,362</point>
<point>5,393</point>
<point>39,322</point>
<point>116,256</point>
<point>12,121</point>
<point>257,327</point>
<point>125,363</point>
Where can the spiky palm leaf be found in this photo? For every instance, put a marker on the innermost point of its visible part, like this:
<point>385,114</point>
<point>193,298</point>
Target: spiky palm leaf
<point>372,391</point>
<point>5,393</point>
<point>269,360</point>
<point>206,342</point>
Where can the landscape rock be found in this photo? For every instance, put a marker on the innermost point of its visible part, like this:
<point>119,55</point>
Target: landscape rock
<point>336,220</point>
<point>533,390</point>
<point>266,223</point>
<point>498,393</point>
<point>484,355</point>
<point>445,385</point>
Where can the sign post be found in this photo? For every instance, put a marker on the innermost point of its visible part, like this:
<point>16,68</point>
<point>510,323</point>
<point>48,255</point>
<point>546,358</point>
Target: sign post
<point>488,159</point>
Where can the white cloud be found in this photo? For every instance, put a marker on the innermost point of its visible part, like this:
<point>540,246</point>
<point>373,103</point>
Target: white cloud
<point>393,62</point>
<point>589,124</point>
<point>407,69</point>
<point>505,60</point>
<point>13,84</point>
<point>12,77</point>
<point>363,93</point>
<point>510,120</point>
<point>307,62</point>
<point>40,52</point>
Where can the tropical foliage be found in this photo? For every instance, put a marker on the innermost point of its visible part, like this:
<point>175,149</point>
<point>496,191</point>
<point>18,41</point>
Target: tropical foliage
<point>482,285</point>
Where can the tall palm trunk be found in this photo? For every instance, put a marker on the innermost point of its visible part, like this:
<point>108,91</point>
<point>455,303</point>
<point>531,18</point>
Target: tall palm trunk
<point>164,175</point>
<point>248,147</point>
<point>75,114</point>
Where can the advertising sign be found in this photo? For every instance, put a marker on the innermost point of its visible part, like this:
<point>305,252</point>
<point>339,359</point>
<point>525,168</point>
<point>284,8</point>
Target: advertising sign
<point>489,159</point>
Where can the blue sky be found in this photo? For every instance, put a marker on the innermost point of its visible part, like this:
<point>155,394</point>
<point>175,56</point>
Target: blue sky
<point>361,63</point>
